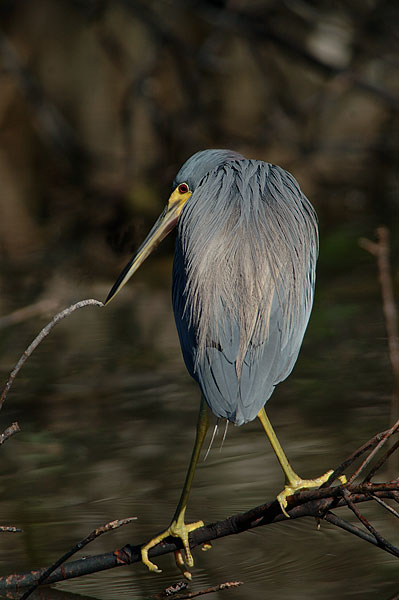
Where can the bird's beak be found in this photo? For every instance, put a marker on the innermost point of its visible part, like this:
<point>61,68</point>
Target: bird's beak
<point>164,224</point>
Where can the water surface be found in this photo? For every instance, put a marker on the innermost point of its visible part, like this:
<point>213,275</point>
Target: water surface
<point>108,417</point>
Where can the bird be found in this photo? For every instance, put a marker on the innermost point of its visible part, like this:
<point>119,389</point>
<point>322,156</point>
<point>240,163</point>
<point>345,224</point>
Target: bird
<point>242,292</point>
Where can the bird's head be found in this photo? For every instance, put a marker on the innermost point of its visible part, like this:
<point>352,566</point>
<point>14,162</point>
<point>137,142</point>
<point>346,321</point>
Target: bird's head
<point>186,181</point>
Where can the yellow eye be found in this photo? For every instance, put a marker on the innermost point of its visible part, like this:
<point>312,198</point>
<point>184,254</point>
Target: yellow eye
<point>183,188</point>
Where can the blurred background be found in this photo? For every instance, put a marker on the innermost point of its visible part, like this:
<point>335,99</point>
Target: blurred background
<point>100,104</point>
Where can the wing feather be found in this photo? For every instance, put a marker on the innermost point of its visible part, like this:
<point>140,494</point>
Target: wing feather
<point>243,283</point>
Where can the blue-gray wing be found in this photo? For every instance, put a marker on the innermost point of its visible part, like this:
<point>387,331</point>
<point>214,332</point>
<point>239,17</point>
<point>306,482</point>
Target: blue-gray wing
<point>243,283</point>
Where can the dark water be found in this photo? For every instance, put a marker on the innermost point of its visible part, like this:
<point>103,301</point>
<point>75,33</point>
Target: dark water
<point>108,416</point>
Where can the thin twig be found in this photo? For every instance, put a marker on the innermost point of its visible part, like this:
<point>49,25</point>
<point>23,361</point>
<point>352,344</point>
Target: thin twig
<point>382,460</point>
<point>388,433</point>
<point>350,528</point>
<point>215,588</point>
<point>10,529</point>
<point>45,331</point>
<point>92,536</point>
<point>7,433</point>
<point>385,505</point>
<point>372,442</point>
<point>382,542</point>
<point>173,591</point>
<point>381,251</point>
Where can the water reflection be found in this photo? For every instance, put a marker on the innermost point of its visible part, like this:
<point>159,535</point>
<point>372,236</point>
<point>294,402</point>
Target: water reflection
<point>108,416</point>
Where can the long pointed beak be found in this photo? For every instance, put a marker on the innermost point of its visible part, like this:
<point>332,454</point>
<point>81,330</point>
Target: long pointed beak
<point>164,224</point>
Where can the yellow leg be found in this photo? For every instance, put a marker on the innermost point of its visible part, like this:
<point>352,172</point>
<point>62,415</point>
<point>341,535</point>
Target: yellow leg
<point>178,528</point>
<point>293,483</point>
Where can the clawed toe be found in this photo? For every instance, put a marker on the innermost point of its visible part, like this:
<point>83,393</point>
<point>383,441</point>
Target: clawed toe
<point>297,484</point>
<point>177,529</point>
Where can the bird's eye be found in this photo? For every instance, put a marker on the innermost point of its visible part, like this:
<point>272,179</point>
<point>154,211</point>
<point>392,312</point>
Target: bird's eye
<point>183,188</point>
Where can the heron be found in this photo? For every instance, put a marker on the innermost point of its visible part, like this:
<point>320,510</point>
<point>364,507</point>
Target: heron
<point>243,286</point>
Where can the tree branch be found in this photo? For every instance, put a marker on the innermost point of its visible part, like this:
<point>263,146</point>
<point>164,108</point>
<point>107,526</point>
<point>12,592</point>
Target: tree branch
<point>315,503</point>
<point>7,433</point>
<point>10,529</point>
<point>372,443</point>
<point>368,458</point>
<point>381,541</point>
<point>173,590</point>
<point>92,536</point>
<point>380,250</point>
<point>39,338</point>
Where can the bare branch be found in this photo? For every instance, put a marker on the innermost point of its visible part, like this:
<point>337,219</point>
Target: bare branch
<point>379,538</point>
<point>372,443</point>
<point>316,503</point>
<point>380,250</point>
<point>92,536</point>
<point>388,433</point>
<point>382,460</point>
<point>7,433</point>
<point>10,529</point>
<point>39,338</point>
<point>385,505</point>
<point>350,528</point>
<point>173,590</point>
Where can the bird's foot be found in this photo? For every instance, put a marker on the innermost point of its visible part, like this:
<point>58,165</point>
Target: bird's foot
<point>297,484</point>
<point>184,558</point>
